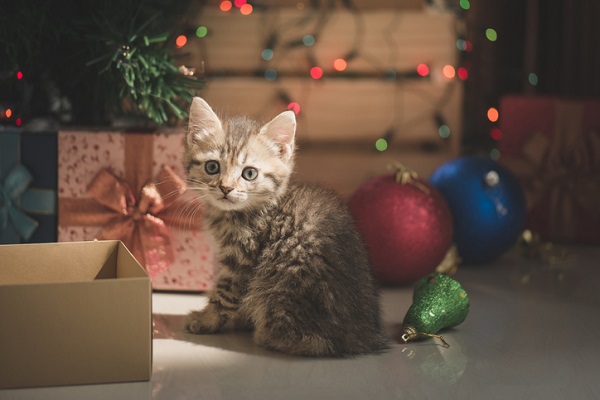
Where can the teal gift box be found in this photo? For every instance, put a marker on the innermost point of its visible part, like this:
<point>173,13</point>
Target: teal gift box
<point>28,181</point>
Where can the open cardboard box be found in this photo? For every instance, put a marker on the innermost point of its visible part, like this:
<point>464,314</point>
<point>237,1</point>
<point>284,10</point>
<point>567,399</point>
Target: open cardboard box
<point>73,313</point>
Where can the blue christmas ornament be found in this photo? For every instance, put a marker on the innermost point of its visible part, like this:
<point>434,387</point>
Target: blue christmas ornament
<point>487,205</point>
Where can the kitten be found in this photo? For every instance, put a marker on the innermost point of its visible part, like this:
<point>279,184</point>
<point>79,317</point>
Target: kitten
<point>294,268</point>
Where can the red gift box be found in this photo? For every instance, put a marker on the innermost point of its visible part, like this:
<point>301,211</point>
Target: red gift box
<point>553,146</point>
<point>128,187</point>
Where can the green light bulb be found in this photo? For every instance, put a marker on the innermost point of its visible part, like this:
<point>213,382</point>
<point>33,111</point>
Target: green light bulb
<point>439,302</point>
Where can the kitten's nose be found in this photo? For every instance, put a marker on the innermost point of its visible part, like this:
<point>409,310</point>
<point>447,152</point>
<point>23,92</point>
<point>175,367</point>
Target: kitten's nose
<point>225,189</point>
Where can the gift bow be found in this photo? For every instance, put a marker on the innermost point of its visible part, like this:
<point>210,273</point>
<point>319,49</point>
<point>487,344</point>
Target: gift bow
<point>564,170</point>
<point>140,223</point>
<point>15,184</point>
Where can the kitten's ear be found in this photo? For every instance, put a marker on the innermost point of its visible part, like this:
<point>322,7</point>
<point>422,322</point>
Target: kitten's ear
<point>281,131</point>
<point>202,122</point>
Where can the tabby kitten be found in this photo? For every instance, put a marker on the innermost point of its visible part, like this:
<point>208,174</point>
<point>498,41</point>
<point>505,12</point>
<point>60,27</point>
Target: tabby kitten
<point>294,268</point>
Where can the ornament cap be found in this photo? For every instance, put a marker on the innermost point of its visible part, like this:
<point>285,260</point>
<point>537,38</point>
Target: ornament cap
<point>410,334</point>
<point>405,175</point>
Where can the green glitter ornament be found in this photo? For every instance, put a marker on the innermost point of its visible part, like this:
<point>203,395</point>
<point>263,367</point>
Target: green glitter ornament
<point>439,302</point>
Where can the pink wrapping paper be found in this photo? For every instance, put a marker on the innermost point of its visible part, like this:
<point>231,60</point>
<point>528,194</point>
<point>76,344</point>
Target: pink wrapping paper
<point>83,154</point>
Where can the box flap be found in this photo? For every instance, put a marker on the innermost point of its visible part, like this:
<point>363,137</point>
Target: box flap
<point>58,262</point>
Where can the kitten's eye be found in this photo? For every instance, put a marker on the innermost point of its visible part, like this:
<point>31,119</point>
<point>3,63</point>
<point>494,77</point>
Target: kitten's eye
<point>249,173</point>
<point>212,167</point>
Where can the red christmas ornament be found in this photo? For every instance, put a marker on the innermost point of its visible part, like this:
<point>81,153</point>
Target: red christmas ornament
<point>405,223</point>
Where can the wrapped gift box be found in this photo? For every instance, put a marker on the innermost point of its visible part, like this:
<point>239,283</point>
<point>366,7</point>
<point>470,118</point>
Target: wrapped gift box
<point>129,187</point>
<point>27,186</point>
<point>553,146</point>
<point>73,313</point>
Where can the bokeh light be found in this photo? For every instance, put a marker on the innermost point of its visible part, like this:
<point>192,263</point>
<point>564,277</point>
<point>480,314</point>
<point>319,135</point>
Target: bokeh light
<point>449,71</point>
<point>202,31</point>
<point>496,133</point>
<point>423,69</point>
<point>491,34</point>
<point>225,5</point>
<point>267,54</point>
<point>246,9</point>
<point>270,74</point>
<point>340,64</point>
<point>181,41</point>
<point>316,72</point>
<point>444,131</point>
<point>495,154</point>
<point>533,79</point>
<point>381,144</point>
<point>295,107</point>
<point>308,40</point>
<point>492,114</point>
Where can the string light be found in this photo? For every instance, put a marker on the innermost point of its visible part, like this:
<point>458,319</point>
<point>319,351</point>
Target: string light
<point>19,75</point>
<point>444,131</point>
<point>202,31</point>
<point>18,122</point>
<point>267,54</point>
<point>339,64</point>
<point>295,107</point>
<point>181,41</point>
<point>464,4</point>
<point>423,70</point>
<point>533,79</point>
<point>246,9</point>
<point>381,144</point>
<point>496,133</point>
<point>8,113</point>
<point>491,34</point>
<point>316,72</point>
<point>449,71</point>
<point>308,40</point>
<point>443,128</point>
<point>492,114</point>
<point>225,5</point>
<point>495,154</point>
<point>270,74</point>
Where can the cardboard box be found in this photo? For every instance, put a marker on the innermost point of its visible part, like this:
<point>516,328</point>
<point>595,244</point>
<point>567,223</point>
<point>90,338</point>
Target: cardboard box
<point>73,313</point>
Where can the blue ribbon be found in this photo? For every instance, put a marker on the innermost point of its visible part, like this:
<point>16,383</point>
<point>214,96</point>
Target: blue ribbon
<point>11,190</point>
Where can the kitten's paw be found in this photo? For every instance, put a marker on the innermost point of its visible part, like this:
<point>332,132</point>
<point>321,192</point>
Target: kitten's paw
<point>200,322</point>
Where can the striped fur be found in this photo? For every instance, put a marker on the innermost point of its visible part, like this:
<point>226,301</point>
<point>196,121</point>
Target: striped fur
<point>294,268</point>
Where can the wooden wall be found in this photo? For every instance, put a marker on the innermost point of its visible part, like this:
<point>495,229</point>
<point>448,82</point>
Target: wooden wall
<point>359,104</point>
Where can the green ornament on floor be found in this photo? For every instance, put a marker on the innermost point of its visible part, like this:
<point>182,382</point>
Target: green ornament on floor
<point>439,302</point>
